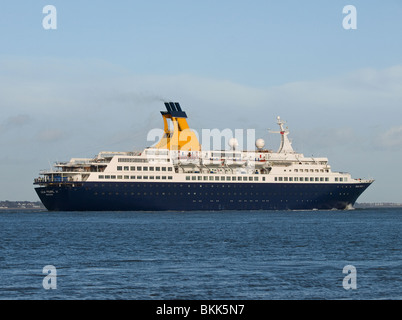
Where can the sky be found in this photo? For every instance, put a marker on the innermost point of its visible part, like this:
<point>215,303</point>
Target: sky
<point>98,81</point>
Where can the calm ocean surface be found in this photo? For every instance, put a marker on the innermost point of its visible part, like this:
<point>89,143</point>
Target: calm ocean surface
<point>201,255</point>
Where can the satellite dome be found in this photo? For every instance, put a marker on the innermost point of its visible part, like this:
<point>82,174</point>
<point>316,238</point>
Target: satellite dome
<point>233,143</point>
<point>260,143</point>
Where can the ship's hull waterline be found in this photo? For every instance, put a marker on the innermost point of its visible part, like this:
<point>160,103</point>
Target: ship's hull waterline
<point>195,196</point>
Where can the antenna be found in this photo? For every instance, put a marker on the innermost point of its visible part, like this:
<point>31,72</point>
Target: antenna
<point>286,145</point>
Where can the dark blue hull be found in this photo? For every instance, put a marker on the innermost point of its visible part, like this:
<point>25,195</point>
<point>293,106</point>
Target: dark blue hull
<point>134,196</point>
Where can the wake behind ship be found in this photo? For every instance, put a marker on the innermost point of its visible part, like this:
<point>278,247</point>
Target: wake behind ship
<point>176,174</point>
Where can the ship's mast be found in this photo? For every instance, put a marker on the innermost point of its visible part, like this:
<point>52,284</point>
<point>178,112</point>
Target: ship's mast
<point>286,145</point>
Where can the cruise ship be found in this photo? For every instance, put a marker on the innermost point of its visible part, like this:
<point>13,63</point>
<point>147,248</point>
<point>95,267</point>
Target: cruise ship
<point>177,174</point>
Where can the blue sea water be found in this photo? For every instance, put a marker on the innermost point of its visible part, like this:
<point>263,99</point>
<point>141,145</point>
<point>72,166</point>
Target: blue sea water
<point>201,255</point>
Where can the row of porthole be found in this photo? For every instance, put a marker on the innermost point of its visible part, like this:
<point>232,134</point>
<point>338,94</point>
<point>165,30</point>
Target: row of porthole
<point>200,194</point>
<point>234,186</point>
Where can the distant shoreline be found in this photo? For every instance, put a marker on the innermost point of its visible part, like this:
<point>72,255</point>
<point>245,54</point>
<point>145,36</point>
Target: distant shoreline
<point>37,205</point>
<point>378,205</point>
<point>21,205</point>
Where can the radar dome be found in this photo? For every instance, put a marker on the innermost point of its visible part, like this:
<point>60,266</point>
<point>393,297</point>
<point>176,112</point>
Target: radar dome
<point>233,143</point>
<point>260,143</point>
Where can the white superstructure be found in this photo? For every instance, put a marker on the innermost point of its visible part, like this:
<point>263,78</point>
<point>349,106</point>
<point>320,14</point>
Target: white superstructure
<point>156,164</point>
